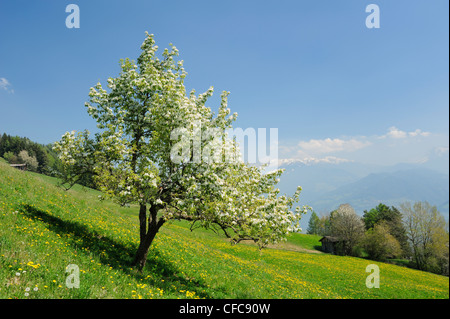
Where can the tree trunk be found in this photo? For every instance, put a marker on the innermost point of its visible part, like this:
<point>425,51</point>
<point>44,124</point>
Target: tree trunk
<point>142,222</point>
<point>141,254</point>
<point>147,234</point>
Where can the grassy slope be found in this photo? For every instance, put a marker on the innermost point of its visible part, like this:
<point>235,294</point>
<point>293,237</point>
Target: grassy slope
<point>43,229</point>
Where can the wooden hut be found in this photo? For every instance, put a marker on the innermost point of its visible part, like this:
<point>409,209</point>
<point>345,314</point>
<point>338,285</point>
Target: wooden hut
<point>329,244</point>
<point>22,167</point>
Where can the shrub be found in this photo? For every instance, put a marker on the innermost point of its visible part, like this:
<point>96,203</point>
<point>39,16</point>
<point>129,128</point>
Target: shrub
<point>380,244</point>
<point>31,161</point>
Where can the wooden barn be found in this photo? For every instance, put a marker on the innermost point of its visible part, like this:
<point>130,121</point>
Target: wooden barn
<point>22,167</point>
<point>329,244</point>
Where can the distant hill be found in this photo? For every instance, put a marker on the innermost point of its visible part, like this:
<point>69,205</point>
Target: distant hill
<point>390,189</point>
<point>316,179</point>
<point>326,186</point>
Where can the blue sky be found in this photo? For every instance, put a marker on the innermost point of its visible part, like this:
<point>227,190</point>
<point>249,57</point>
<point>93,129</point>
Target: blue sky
<point>335,89</point>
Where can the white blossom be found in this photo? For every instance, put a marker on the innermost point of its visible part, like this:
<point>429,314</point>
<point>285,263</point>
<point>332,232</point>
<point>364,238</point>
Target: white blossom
<point>147,121</point>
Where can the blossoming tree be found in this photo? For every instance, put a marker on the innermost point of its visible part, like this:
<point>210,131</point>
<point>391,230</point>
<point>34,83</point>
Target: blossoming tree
<point>137,159</point>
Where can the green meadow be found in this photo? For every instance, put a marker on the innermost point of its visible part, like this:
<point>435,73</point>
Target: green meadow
<point>43,229</point>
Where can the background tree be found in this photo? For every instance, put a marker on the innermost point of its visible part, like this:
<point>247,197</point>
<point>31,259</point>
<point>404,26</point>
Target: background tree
<point>155,149</point>
<point>47,159</point>
<point>324,225</point>
<point>438,260</point>
<point>426,231</point>
<point>379,244</point>
<point>313,224</point>
<point>347,227</point>
<point>11,158</point>
<point>392,218</point>
<point>31,161</point>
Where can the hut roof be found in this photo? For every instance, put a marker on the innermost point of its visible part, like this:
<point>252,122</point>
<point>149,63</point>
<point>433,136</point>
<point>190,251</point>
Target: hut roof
<point>329,238</point>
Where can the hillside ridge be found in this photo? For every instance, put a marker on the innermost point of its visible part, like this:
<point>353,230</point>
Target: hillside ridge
<point>43,229</point>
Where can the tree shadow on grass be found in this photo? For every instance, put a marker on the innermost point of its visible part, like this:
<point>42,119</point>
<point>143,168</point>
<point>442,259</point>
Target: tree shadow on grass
<point>115,254</point>
<point>318,247</point>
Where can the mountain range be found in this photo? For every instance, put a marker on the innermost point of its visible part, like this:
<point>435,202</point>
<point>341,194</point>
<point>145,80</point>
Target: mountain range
<point>327,185</point>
